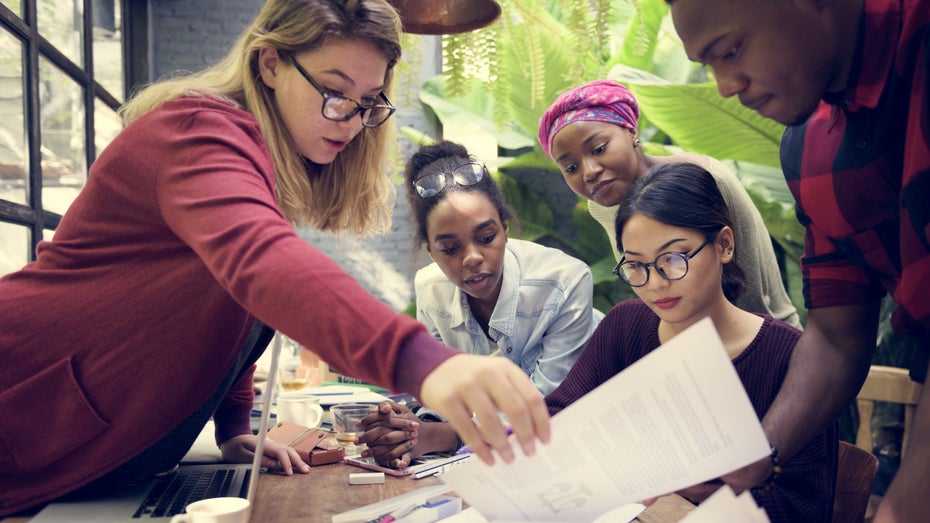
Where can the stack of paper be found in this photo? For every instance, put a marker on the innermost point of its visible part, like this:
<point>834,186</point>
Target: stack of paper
<point>676,418</point>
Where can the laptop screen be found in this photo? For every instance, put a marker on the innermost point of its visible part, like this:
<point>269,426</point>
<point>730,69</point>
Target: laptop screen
<point>125,505</point>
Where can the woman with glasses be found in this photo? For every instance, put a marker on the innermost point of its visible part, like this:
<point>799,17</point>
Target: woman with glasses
<point>679,254</point>
<point>132,328</point>
<point>591,133</point>
<point>484,293</point>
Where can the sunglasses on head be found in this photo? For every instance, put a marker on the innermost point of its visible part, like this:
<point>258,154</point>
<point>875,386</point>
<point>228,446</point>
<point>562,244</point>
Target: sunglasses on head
<point>468,173</point>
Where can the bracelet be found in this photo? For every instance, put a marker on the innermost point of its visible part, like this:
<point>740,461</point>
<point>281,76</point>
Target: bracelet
<point>776,464</point>
<point>776,470</point>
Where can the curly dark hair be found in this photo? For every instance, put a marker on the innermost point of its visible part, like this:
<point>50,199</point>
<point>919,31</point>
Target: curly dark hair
<point>444,157</point>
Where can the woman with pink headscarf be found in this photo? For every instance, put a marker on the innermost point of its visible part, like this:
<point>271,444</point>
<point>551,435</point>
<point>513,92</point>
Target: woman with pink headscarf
<point>591,133</point>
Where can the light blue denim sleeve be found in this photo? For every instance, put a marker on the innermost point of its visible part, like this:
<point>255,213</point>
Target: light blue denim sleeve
<point>569,331</point>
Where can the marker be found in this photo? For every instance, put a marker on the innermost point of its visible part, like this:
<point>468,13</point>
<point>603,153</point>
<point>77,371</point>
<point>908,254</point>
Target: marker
<point>390,517</point>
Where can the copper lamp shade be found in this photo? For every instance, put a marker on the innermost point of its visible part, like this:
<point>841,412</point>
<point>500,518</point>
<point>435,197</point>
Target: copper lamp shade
<point>437,17</point>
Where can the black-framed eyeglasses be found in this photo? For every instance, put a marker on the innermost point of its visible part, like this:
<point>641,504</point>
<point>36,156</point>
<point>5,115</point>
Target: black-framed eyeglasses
<point>338,108</point>
<point>670,265</point>
<point>468,173</point>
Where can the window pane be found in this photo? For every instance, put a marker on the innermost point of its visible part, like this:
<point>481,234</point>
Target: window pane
<point>61,23</point>
<point>107,124</point>
<point>14,5</point>
<point>13,148</point>
<point>14,247</point>
<point>64,168</point>
<point>108,50</point>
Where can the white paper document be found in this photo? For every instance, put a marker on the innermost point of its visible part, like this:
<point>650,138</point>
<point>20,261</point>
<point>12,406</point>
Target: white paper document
<point>623,514</point>
<point>677,417</point>
<point>724,505</point>
<point>334,394</point>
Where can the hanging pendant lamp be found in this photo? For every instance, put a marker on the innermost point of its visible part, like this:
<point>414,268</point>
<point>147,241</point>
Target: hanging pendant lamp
<point>437,17</point>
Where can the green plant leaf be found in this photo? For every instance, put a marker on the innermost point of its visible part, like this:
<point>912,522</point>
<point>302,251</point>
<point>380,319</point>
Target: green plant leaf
<point>470,111</point>
<point>534,159</point>
<point>592,244</point>
<point>417,136</point>
<point>602,269</point>
<point>642,34</point>
<point>534,216</point>
<point>769,192</point>
<point>698,119</point>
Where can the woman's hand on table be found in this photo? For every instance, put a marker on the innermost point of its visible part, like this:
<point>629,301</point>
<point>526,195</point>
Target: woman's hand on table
<point>390,434</point>
<point>395,436</point>
<point>469,386</point>
<point>241,449</point>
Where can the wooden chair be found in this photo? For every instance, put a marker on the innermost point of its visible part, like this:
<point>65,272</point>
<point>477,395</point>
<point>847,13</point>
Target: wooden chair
<point>855,472</point>
<point>889,384</point>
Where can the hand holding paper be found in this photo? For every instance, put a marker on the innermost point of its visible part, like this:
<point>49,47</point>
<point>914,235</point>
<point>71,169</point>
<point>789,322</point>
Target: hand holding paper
<point>677,417</point>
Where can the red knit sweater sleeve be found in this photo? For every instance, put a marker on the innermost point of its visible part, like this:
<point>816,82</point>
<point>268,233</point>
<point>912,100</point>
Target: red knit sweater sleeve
<point>217,194</point>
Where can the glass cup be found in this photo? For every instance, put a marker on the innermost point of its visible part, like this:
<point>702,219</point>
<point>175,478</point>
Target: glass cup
<point>216,510</point>
<point>345,416</point>
<point>296,377</point>
<point>296,370</point>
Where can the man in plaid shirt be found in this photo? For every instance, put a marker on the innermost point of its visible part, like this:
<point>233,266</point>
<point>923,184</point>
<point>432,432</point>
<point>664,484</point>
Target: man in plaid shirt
<point>851,79</point>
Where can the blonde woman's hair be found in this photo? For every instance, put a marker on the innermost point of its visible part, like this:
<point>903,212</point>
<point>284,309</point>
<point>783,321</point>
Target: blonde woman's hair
<point>354,192</point>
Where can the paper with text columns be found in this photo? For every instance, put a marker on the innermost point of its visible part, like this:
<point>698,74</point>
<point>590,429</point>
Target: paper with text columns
<point>677,417</point>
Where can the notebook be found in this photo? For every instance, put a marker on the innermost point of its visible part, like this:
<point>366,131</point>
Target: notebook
<point>163,497</point>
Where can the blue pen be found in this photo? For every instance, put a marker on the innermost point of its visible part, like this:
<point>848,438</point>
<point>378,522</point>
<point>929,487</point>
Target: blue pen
<point>467,449</point>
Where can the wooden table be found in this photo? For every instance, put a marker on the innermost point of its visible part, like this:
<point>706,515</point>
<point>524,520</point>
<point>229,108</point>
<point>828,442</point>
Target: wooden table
<point>325,491</point>
<point>316,497</point>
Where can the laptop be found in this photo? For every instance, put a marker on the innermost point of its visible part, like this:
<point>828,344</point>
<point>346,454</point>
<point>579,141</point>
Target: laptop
<point>163,497</point>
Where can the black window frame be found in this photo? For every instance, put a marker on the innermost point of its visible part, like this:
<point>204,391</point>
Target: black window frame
<point>136,60</point>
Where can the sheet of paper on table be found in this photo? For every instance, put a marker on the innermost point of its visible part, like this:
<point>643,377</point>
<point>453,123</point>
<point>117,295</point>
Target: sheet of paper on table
<point>677,417</point>
<point>333,394</point>
<point>724,505</point>
<point>623,514</point>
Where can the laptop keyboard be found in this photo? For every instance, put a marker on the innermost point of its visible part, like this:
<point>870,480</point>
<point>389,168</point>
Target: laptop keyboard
<point>172,493</point>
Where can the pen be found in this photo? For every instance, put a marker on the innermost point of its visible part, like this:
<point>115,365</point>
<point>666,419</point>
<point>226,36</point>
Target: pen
<point>334,393</point>
<point>466,449</point>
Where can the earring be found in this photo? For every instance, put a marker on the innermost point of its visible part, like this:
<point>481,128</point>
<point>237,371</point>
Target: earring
<point>636,143</point>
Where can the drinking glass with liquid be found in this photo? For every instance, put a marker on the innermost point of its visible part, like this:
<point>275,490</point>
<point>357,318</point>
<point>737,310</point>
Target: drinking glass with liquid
<point>345,419</point>
<point>294,373</point>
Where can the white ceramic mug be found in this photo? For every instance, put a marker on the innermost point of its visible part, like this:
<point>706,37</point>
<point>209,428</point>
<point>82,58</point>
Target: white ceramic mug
<point>302,409</point>
<point>216,510</point>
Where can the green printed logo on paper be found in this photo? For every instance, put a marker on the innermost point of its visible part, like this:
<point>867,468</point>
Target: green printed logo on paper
<point>565,496</point>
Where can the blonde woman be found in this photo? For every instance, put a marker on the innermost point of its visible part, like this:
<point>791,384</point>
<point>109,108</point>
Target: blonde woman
<point>143,316</point>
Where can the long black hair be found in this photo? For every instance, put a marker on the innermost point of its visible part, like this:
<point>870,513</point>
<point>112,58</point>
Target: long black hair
<point>682,195</point>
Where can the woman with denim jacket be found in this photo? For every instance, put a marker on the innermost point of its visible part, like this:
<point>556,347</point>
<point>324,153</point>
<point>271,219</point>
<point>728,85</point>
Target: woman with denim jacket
<point>484,293</point>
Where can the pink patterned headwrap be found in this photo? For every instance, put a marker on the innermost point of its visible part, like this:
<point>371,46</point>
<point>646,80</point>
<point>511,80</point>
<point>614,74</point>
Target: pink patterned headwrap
<point>600,101</point>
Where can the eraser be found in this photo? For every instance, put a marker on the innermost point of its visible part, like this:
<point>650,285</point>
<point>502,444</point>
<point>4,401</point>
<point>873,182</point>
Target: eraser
<point>366,478</point>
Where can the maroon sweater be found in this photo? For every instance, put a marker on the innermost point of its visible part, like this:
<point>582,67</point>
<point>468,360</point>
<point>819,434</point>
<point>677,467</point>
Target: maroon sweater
<point>137,308</point>
<point>804,490</point>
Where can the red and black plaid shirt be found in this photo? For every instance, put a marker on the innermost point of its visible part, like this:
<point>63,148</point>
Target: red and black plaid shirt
<point>860,172</point>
